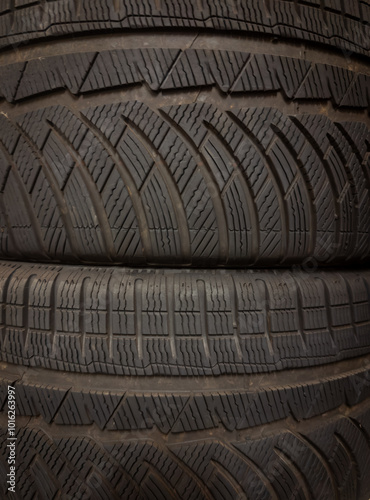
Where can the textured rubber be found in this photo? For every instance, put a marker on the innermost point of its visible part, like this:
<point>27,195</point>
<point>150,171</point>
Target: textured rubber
<point>337,23</point>
<point>100,440</point>
<point>184,149</point>
<point>143,183</point>
<point>170,406</point>
<point>175,67</point>
<point>174,163</point>
<point>176,133</point>
<point>166,322</point>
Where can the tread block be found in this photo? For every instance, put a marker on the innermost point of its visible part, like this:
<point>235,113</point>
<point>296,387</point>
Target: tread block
<point>232,72</point>
<point>139,322</point>
<point>327,457</point>
<point>184,185</point>
<point>329,23</point>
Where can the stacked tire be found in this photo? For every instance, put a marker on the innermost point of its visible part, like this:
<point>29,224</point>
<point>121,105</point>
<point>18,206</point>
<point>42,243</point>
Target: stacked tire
<point>185,245</point>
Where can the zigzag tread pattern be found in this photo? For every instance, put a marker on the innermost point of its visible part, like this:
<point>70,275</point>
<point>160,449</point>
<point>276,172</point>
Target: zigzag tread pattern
<point>188,411</point>
<point>183,184</point>
<point>327,460</point>
<point>232,72</point>
<point>147,322</point>
<point>344,25</point>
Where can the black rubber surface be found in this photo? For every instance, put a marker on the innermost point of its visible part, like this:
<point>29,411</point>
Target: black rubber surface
<point>180,61</point>
<point>189,384</point>
<point>153,181</point>
<point>192,404</point>
<point>303,435</point>
<point>142,322</point>
<point>192,147</point>
<point>188,147</point>
<point>337,23</point>
<point>189,134</point>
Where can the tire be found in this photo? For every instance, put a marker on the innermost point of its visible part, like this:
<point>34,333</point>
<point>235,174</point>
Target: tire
<point>214,151</point>
<point>151,322</point>
<point>344,25</point>
<point>198,136</point>
<point>110,443</point>
<point>146,384</point>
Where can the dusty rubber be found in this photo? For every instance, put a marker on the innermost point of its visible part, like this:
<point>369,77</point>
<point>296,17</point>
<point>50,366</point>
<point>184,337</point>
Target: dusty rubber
<point>206,151</point>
